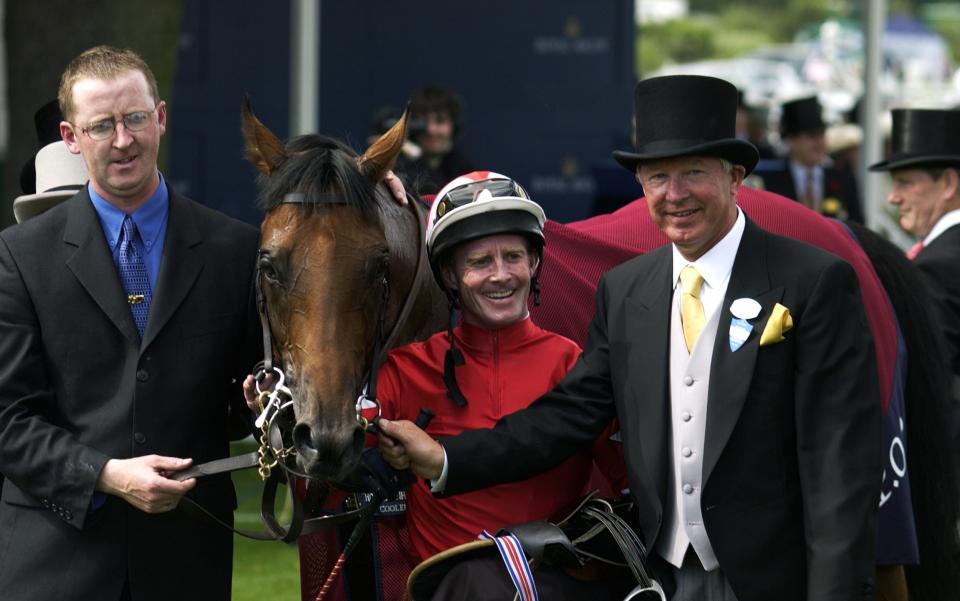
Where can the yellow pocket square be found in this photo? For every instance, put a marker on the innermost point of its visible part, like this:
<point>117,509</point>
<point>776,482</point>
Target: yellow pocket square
<point>779,324</point>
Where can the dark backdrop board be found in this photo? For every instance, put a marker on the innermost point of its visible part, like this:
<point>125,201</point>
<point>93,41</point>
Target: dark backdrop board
<point>546,86</point>
<point>227,48</point>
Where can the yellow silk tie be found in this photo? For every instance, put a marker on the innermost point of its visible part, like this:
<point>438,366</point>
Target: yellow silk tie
<point>691,309</point>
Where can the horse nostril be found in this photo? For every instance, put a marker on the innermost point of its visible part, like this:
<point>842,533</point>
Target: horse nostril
<point>303,440</point>
<point>324,452</point>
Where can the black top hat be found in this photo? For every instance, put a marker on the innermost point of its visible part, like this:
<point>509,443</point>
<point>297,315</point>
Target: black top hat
<point>803,114</point>
<point>682,115</point>
<point>923,138</point>
<point>47,121</point>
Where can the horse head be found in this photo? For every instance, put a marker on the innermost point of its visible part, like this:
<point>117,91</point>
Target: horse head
<point>341,274</point>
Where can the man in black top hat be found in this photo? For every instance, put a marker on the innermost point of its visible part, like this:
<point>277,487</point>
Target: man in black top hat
<point>924,168</point>
<point>741,368</point>
<point>807,175</point>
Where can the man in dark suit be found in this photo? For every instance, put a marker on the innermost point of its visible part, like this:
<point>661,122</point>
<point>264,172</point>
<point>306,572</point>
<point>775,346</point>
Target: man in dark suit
<point>746,388</point>
<point>128,324</point>
<point>924,168</point>
<point>806,174</point>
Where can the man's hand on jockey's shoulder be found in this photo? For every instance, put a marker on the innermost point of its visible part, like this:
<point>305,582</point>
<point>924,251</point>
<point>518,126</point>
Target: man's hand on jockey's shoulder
<point>405,446</point>
<point>396,188</point>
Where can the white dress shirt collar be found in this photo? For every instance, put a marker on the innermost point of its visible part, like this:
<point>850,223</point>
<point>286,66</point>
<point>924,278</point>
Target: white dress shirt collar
<point>948,220</point>
<point>716,264</point>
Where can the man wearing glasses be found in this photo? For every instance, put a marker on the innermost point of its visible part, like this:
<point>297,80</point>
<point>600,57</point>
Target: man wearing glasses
<point>127,326</point>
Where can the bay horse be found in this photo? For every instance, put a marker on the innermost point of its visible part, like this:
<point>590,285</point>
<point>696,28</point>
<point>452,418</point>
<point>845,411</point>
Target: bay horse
<point>342,275</point>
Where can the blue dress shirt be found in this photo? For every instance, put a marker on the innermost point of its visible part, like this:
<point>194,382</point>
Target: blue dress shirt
<point>151,221</point>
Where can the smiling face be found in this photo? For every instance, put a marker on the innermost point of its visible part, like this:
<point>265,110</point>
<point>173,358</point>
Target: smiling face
<point>692,200</point>
<point>492,275</point>
<point>123,167</point>
<point>921,199</point>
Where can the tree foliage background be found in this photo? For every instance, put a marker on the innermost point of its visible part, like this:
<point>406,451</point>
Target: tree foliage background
<point>724,29</point>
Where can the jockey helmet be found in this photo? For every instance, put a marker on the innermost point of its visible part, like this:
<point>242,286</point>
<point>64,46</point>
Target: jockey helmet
<point>478,204</point>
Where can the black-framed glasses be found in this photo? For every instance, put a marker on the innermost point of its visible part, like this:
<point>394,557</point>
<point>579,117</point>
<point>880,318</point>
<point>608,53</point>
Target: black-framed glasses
<point>135,121</point>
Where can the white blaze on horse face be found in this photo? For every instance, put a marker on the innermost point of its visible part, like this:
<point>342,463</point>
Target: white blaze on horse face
<point>493,275</point>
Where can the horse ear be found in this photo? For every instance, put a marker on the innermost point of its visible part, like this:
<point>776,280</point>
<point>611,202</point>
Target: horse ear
<point>264,149</point>
<point>382,154</point>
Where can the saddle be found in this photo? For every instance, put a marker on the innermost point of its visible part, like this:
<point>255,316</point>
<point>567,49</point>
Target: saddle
<point>596,532</point>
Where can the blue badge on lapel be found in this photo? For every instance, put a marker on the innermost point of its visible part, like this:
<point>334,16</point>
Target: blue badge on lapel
<point>742,310</point>
<point>739,332</point>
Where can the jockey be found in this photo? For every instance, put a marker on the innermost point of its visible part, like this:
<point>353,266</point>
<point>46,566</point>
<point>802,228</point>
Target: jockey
<point>485,243</point>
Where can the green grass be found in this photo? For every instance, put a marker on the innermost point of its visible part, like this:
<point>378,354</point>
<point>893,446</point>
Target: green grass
<point>261,569</point>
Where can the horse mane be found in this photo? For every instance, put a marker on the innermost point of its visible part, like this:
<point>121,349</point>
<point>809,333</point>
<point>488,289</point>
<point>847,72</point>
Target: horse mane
<point>931,459</point>
<point>319,165</point>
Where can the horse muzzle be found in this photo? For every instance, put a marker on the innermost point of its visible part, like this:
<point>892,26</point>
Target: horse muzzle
<point>327,453</point>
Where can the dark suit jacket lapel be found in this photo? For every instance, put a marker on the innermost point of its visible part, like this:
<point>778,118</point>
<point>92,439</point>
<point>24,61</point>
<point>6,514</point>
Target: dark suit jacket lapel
<point>93,265</point>
<point>179,268</point>
<point>731,372</point>
<point>649,308</point>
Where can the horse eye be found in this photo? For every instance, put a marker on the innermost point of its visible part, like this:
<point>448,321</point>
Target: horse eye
<point>268,271</point>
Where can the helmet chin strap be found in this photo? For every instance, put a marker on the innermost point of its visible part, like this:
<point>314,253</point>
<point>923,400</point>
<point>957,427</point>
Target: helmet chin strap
<point>453,359</point>
<point>535,279</point>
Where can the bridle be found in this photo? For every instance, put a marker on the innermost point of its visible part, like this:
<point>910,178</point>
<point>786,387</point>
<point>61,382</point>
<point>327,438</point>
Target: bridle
<point>378,477</point>
<point>278,399</point>
<point>281,396</point>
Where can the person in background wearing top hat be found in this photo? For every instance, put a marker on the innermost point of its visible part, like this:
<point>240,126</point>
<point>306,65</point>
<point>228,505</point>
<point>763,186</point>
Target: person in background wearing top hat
<point>127,322</point>
<point>924,167</point>
<point>741,369</point>
<point>807,174</point>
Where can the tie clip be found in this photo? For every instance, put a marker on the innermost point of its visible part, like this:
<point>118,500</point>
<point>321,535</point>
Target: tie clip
<point>134,299</point>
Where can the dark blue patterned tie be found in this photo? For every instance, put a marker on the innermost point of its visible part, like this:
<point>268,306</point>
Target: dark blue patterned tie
<point>133,274</point>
